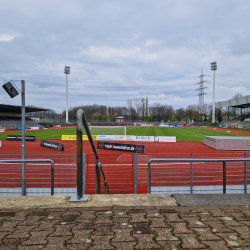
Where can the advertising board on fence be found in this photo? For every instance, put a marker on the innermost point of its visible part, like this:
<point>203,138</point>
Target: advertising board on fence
<point>124,138</point>
<point>52,145</point>
<point>139,149</point>
<point>165,138</point>
<point>74,137</point>
<point>19,138</point>
<point>2,130</point>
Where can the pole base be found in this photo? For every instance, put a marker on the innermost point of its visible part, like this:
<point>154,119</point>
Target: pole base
<point>74,198</point>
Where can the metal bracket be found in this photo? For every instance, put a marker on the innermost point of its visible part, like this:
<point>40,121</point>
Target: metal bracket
<point>74,198</point>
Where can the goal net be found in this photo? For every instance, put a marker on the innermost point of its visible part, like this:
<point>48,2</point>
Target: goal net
<point>105,130</point>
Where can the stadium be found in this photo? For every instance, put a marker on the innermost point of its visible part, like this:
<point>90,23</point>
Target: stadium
<point>126,172</point>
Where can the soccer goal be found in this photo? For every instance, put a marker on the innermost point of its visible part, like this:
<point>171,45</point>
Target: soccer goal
<point>105,130</point>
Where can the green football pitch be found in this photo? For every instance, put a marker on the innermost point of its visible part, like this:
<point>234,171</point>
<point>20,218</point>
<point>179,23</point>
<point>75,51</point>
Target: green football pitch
<point>181,133</point>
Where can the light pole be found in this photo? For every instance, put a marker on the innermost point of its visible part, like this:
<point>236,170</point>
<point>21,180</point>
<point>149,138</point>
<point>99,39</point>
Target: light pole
<point>12,91</point>
<point>67,71</point>
<point>213,67</point>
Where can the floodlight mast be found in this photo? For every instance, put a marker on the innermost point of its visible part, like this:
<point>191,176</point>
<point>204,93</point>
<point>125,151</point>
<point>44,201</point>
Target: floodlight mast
<point>67,71</point>
<point>213,67</point>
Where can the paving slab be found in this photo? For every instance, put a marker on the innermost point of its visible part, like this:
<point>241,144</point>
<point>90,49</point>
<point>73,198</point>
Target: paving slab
<point>141,228</point>
<point>212,199</point>
<point>109,200</point>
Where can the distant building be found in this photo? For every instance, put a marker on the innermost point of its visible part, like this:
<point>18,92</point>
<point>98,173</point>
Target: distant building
<point>120,119</point>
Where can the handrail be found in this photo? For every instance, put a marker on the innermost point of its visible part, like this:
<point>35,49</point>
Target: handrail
<point>106,186</point>
<point>35,160</point>
<point>199,160</point>
<point>82,121</point>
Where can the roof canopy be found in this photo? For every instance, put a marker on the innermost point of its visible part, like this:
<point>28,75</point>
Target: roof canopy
<point>18,109</point>
<point>243,102</point>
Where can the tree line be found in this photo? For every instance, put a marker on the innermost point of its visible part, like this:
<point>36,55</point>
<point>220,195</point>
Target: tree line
<point>138,109</point>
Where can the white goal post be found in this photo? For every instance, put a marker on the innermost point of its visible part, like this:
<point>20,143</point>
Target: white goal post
<point>108,130</point>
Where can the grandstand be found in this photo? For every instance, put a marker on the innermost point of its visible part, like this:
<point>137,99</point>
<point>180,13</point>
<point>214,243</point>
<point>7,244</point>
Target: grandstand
<point>234,106</point>
<point>10,116</point>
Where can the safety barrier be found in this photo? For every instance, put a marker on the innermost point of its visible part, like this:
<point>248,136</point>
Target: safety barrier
<point>191,160</point>
<point>24,173</point>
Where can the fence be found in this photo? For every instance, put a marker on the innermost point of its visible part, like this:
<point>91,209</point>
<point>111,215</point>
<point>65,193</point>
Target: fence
<point>125,173</point>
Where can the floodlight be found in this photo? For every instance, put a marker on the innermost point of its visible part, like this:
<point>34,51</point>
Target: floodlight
<point>67,70</point>
<point>213,65</point>
<point>10,89</point>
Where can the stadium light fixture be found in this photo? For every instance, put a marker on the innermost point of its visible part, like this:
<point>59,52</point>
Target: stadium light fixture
<point>67,71</point>
<point>12,90</point>
<point>213,67</point>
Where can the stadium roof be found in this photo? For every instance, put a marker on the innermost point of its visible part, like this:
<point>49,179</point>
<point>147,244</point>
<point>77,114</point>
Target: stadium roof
<point>18,109</point>
<point>243,102</point>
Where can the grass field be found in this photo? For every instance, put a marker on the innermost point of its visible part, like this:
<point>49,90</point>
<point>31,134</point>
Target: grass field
<point>182,133</point>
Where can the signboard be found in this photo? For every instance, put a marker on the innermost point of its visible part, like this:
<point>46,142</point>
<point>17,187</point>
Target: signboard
<point>2,130</point>
<point>19,138</point>
<point>74,137</point>
<point>132,148</point>
<point>52,145</point>
<point>123,138</point>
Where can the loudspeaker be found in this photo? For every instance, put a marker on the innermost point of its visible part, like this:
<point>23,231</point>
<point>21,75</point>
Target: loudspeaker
<point>10,89</point>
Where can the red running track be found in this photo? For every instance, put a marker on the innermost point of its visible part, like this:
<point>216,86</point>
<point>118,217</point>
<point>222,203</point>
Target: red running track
<point>117,166</point>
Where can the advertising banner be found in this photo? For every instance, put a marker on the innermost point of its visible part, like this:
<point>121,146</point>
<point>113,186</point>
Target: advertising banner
<point>74,137</point>
<point>19,138</point>
<point>52,145</point>
<point>144,138</point>
<point>165,138</point>
<point>34,128</point>
<point>139,149</point>
<point>2,130</point>
<point>112,137</point>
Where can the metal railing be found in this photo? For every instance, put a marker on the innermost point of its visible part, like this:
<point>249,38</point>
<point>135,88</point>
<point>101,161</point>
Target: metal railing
<point>24,173</point>
<point>191,160</point>
<point>82,121</point>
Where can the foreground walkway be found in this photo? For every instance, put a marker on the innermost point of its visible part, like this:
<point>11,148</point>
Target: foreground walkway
<point>125,227</point>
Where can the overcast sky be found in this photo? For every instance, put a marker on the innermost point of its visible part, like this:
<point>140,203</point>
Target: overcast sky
<point>120,50</point>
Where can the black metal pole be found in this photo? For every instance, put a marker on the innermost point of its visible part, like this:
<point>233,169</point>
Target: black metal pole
<point>191,173</point>
<point>245,181</point>
<point>224,178</point>
<point>97,178</point>
<point>79,115</point>
<point>85,123</point>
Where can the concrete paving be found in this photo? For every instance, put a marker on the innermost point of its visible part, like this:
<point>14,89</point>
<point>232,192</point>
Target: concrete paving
<point>100,200</point>
<point>212,199</point>
<point>120,222</point>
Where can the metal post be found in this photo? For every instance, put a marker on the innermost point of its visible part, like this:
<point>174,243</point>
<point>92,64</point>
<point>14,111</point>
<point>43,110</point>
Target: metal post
<point>191,173</point>
<point>224,178</point>
<point>105,182</point>
<point>23,140</point>
<point>98,177</point>
<point>81,162</point>
<point>213,116</point>
<point>135,174</point>
<point>79,154</point>
<point>52,177</point>
<point>84,173</point>
<point>245,182</point>
<point>149,177</point>
<point>66,99</point>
